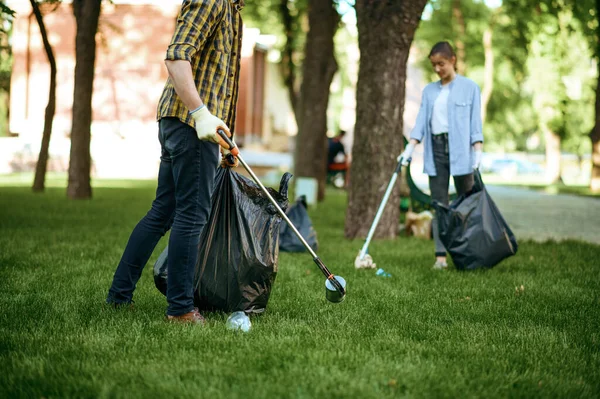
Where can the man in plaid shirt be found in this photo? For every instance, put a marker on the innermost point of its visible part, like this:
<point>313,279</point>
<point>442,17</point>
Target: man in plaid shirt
<point>199,97</point>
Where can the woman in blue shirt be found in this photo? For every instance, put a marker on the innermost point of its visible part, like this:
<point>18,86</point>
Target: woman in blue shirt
<point>449,125</point>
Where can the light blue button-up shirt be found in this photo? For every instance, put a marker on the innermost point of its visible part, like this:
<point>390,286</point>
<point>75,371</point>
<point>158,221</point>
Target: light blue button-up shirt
<point>464,124</point>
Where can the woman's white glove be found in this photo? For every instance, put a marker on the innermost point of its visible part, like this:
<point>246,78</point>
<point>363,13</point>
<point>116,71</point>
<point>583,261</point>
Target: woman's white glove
<point>404,158</point>
<point>207,125</point>
<point>477,158</point>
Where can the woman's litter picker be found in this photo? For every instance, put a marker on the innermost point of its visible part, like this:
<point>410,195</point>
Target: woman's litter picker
<point>335,285</point>
<point>363,259</point>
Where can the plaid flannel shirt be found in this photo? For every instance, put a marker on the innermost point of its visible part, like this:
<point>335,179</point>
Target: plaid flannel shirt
<point>208,34</point>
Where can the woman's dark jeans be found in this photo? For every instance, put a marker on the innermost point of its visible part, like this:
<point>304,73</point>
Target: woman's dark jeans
<point>438,185</point>
<point>183,201</point>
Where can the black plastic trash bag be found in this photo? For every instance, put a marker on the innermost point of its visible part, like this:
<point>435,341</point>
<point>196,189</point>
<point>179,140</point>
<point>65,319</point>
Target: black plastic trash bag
<point>473,231</point>
<point>239,247</point>
<point>298,215</point>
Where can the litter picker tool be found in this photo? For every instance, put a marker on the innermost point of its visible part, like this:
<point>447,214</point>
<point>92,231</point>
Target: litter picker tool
<point>335,286</point>
<point>363,259</point>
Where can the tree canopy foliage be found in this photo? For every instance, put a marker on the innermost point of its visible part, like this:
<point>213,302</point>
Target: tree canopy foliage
<point>544,71</point>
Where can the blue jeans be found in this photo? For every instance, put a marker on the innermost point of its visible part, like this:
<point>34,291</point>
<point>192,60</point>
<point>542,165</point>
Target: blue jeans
<point>183,202</point>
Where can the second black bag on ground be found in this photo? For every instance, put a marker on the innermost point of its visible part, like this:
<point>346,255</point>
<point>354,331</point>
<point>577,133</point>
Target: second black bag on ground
<point>298,215</point>
<point>473,231</point>
<point>239,247</point>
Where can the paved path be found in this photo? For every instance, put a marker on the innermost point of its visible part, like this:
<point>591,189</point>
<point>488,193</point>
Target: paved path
<point>539,216</point>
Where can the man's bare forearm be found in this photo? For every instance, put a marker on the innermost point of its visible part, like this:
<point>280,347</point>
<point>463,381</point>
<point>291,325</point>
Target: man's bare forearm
<point>180,72</point>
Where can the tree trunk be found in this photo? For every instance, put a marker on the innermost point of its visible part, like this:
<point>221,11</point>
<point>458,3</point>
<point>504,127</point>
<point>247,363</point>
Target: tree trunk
<point>595,134</point>
<point>385,33</point>
<point>595,137</point>
<point>5,53</point>
<point>552,155</point>
<point>461,65</point>
<point>87,13</point>
<point>42,163</point>
<point>320,66</point>
<point>288,67</point>
<point>488,72</point>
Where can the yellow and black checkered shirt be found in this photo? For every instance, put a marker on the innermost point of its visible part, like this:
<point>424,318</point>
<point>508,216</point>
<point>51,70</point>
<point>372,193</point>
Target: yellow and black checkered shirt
<point>208,34</point>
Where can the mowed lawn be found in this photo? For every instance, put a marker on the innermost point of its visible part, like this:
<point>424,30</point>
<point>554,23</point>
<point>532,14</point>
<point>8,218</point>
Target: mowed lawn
<point>528,328</point>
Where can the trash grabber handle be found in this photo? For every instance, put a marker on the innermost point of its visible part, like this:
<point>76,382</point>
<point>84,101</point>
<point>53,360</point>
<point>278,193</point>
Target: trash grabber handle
<point>318,261</point>
<point>384,201</point>
<point>225,142</point>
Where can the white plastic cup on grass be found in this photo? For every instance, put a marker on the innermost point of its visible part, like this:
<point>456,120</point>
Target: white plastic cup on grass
<point>239,321</point>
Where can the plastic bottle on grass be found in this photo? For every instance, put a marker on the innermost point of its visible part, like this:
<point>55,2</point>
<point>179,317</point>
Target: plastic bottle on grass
<point>239,321</point>
<point>382,273</point>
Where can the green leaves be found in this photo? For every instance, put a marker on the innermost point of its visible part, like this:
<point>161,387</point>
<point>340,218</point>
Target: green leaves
<point>5,10</point>
<point>543,66</point>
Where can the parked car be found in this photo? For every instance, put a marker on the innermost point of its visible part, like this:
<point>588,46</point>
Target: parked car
<point>513,167</point>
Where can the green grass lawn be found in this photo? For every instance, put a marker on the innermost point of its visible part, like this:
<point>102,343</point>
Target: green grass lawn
<point>528,328</point>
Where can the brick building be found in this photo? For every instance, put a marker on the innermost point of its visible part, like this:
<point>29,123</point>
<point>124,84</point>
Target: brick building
<point>129,76</point>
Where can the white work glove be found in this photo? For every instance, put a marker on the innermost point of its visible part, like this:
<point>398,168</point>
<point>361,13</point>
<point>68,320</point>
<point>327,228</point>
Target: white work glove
<point>207,125</point>
<point>404,158</point>
<point>477,158</point>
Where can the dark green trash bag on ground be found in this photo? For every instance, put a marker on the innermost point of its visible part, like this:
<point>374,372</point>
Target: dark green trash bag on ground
<point>473,231</point>
<point>239,247</point>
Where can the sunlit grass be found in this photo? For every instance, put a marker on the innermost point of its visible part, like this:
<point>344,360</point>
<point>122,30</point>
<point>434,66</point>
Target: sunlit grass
<point>528,328</point>
<point>60,180</point>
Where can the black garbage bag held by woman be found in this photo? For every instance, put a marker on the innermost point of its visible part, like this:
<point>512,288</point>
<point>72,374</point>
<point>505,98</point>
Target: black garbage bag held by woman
<point>473,230</point>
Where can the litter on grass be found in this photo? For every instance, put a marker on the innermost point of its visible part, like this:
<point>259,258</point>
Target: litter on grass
<point>365,263</point>
<point>382,273</point>
<point>239,321</point>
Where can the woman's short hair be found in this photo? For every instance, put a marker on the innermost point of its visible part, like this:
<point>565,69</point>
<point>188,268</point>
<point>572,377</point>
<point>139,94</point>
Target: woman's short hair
<point>444,49</point>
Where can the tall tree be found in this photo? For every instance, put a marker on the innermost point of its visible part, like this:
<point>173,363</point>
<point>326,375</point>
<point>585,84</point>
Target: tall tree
<point>561,93</point>
<point>291,14</point>
<point>308,28</point>
<point>545,50</point>
<point>385,32</point>
<point>319,66</point>
<point>6,18</point>
<point>595,133</point>
<point>488,67</point>
<point>87,13</point>
<point>570,116</point>
<point>589,13</point>
<point>286,19</point>
<point>459,21</point>
<point>42,163</point>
